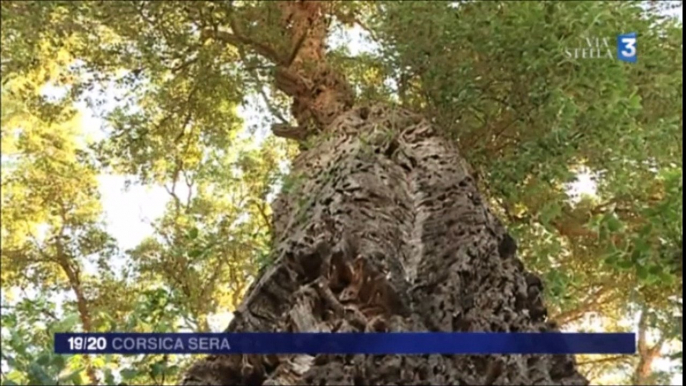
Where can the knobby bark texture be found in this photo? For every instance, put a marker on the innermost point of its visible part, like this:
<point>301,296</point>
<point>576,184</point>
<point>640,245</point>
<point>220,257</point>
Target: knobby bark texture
<point>384,230</point>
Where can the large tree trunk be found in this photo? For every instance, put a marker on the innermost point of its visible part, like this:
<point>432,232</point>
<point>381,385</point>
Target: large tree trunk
<point>382,229</point>
<point>386,231</point>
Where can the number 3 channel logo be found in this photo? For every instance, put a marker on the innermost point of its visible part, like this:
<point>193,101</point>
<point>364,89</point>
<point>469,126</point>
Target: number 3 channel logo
<point>626,47</point>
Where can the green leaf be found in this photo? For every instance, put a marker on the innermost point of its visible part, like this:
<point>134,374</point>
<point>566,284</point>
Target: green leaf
<point>38,374</point>
<point>74,376</point>
<point>625,264</point>
<point>109,377</point>
<point>128,374</point>
<point>156,369</point>
<point>194,253</point>
<point>43,359</point>
<point>642,272</point>
<point>613,224</point>
<point>550,212</point>
<point>67,323</point>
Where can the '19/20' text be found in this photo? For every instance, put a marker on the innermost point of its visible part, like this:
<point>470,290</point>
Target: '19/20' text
<point>201,344</point>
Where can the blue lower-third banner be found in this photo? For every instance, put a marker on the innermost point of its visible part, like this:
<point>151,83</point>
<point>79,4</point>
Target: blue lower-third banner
<point>345,343</point>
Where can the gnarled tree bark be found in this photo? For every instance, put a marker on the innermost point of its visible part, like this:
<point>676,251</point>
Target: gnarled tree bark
<point>384,231</point>
<point>393,236</point>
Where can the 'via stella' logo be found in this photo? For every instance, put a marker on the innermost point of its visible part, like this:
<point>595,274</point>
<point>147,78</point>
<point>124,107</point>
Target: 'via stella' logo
<point>601,48</point>
<point>594,48</point>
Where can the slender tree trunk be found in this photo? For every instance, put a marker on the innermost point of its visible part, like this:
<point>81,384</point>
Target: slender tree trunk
<point>383,230</point>
<point>73,275</point>
<point>643,374</point>
<point>84,314</point>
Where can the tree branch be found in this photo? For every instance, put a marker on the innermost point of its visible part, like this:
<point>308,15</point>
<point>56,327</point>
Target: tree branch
<point>239,40</point>
<point>190,183</point>
<point>251,71</point>
<point>172,190</point>
<point>576,313</point>
<point>263,213</point>
<point>614,358</point>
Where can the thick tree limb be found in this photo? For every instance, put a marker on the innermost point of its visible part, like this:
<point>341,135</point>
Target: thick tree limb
<point>287,131</point>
